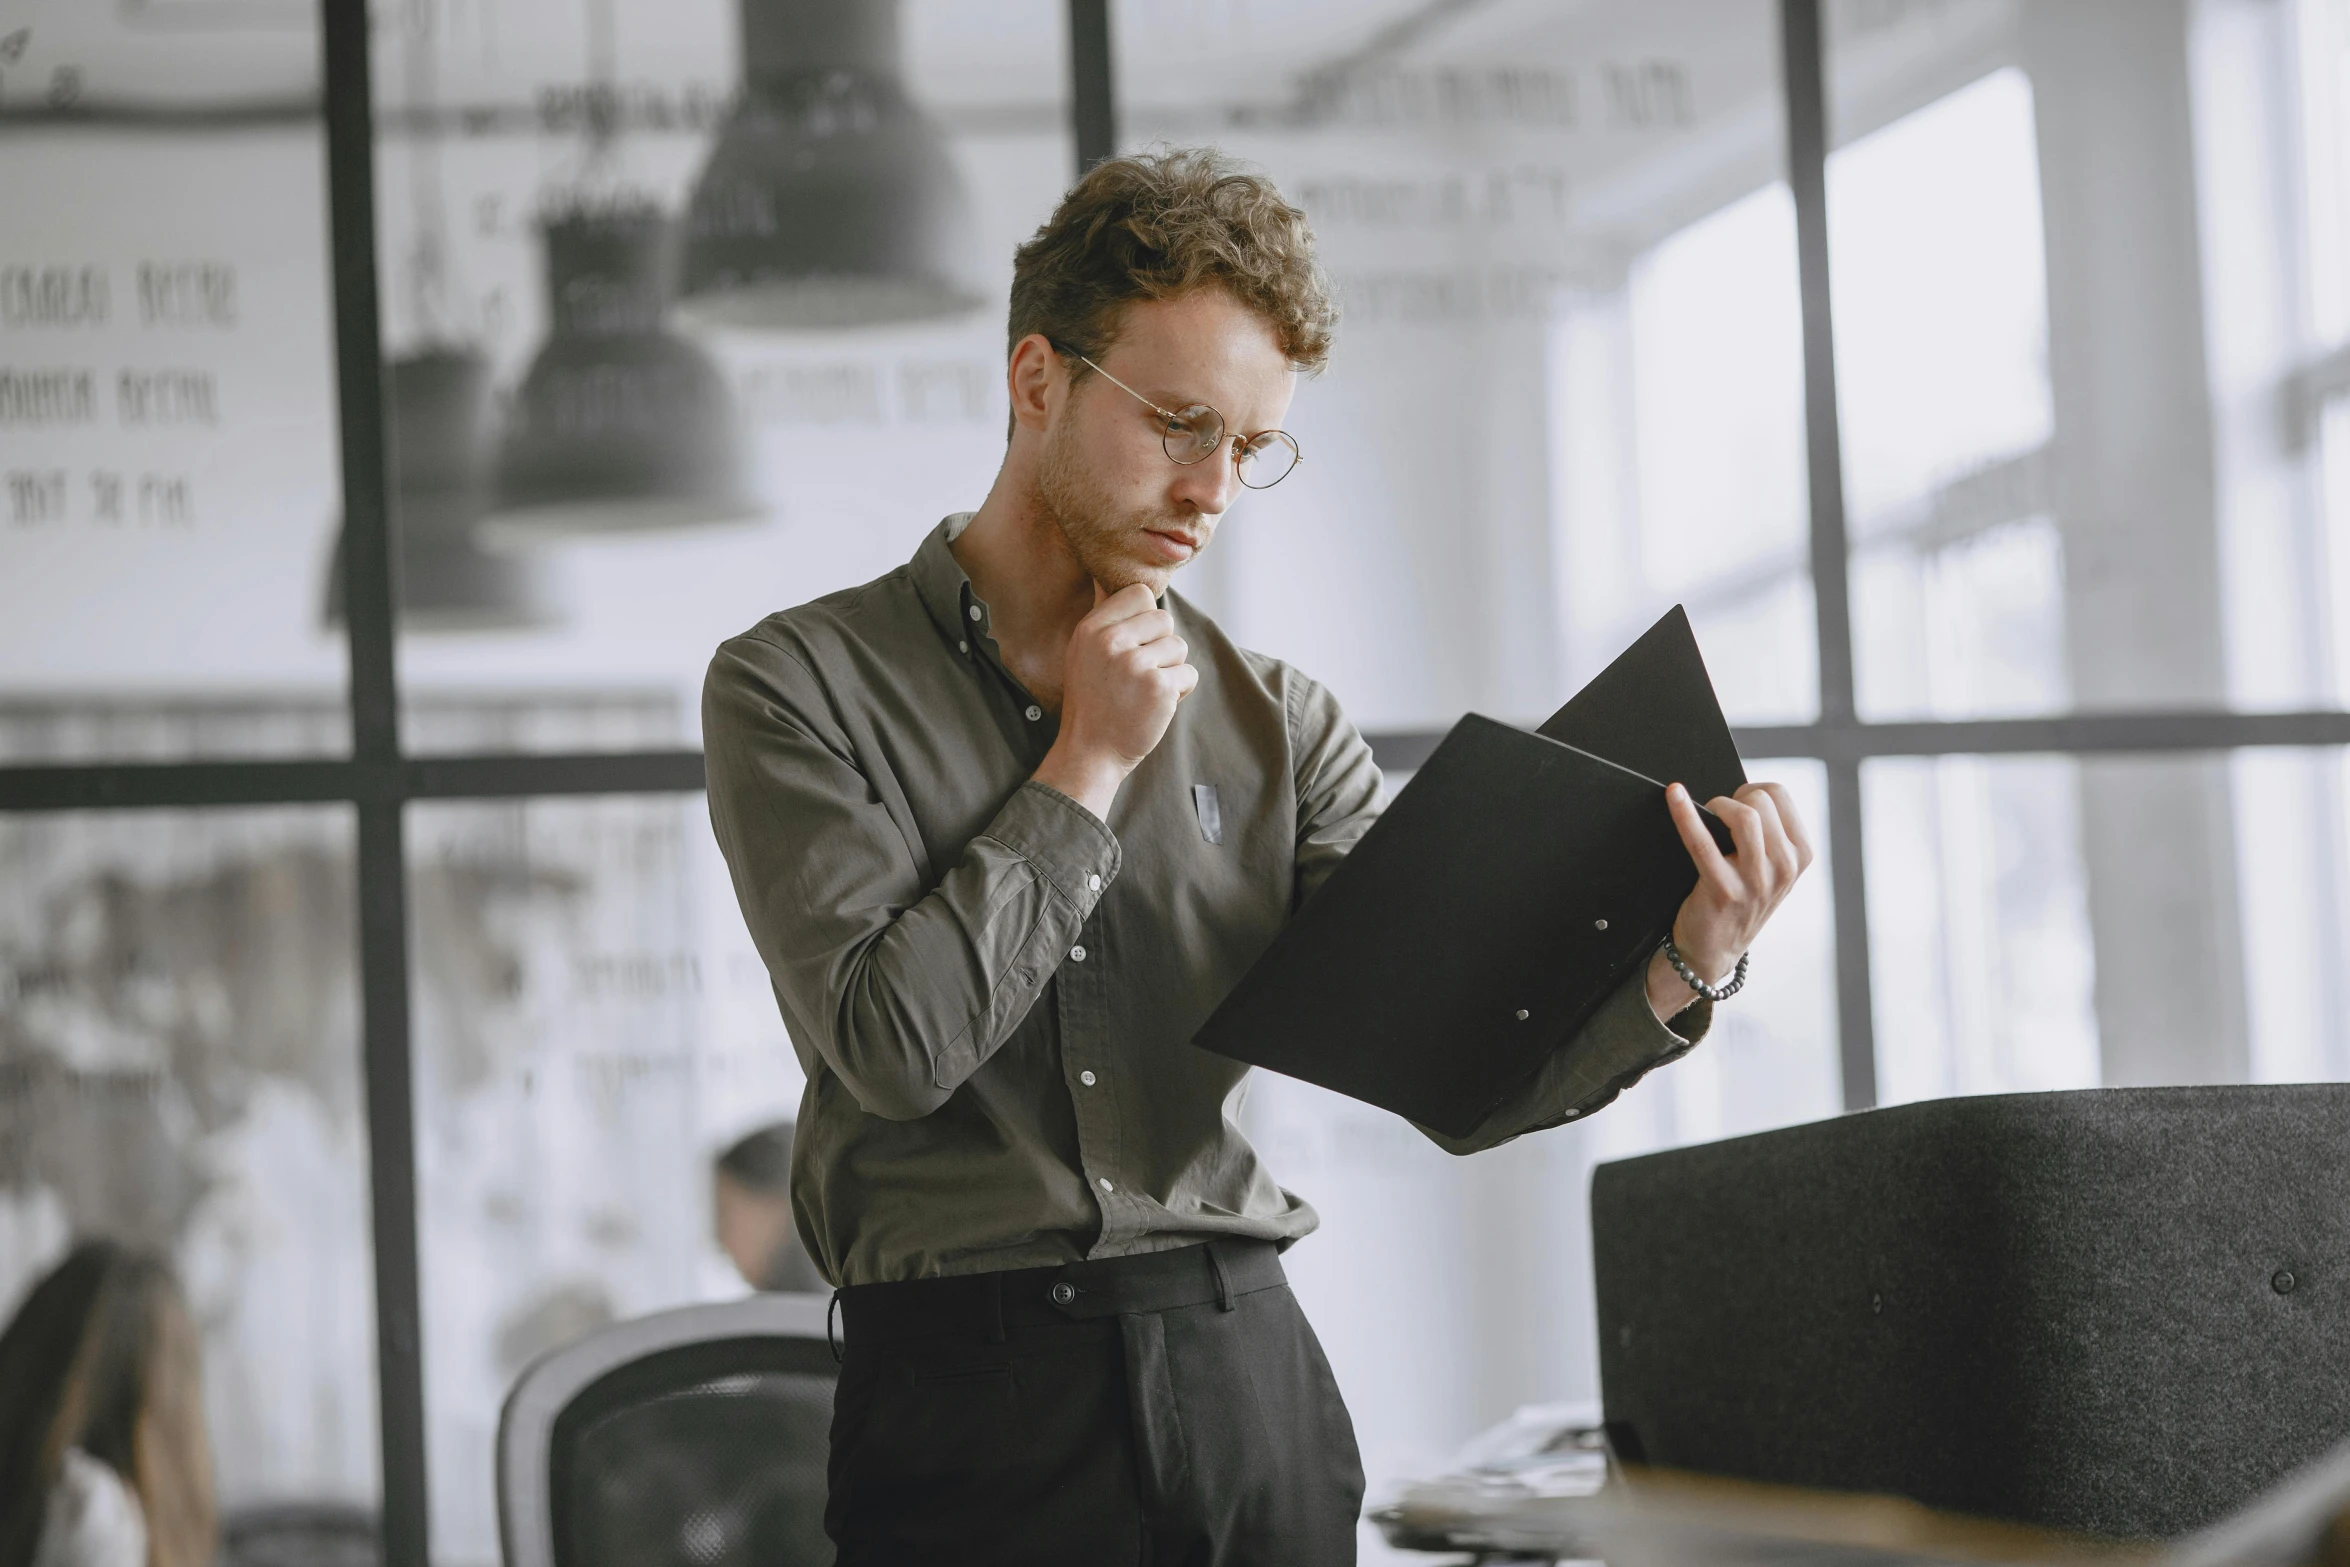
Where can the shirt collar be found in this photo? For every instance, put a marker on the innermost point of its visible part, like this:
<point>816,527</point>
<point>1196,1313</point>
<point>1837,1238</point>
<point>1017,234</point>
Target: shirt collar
<point>960,614</point>
<point>945,587</point>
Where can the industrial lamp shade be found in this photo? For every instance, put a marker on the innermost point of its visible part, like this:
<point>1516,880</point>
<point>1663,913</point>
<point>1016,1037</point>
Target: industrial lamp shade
<point>620,424</point>
<point>830,199</point>
<point>437,408</point>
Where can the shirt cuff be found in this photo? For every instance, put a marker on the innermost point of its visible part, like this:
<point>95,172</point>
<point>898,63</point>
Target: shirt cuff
<point>1617,1046</point>
<point>1624,1042</point>
<point>1069,846</point>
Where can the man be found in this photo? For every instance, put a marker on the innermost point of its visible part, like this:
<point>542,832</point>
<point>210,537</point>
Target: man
<point>959,808</point>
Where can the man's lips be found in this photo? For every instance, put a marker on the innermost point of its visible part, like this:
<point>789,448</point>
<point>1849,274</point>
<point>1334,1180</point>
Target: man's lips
<point>1172,546</point>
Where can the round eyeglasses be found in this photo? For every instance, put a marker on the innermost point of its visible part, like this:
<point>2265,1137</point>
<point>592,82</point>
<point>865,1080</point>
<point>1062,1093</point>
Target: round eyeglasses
<point>1196,433</point>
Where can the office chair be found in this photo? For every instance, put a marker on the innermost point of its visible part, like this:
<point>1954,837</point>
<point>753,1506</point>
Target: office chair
<point>2125,1311</point>
<point>688,1438</point>
<point>300,1534</point>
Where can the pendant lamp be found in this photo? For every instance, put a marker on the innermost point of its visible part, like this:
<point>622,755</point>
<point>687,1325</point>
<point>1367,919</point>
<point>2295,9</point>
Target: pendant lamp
<point>437,438</point>
<point>620,424</point>
<point>830,199</point>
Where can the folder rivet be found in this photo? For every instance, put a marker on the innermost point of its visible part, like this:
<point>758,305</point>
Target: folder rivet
<point>1599,924</point>
<point>1523,1014</point>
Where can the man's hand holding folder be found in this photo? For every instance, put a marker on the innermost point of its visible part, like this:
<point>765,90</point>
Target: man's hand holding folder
<point>1511,889</point>
<point>1735,894</point>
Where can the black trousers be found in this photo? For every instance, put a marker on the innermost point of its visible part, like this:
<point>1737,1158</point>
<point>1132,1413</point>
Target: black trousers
<point>1172,1409</point>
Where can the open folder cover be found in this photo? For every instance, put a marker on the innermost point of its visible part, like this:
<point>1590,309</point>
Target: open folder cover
<point>1506,892</point>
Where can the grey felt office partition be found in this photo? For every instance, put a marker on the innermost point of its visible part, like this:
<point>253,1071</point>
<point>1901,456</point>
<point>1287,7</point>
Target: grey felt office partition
<point>2124,1310</point>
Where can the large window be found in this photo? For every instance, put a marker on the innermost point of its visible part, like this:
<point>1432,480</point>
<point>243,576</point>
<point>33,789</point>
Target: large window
<point>182,1071</point>
<point>387,441</point>
<point>168,479</point>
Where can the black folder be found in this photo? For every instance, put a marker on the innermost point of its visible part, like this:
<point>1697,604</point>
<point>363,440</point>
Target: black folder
<point>1505,893</point>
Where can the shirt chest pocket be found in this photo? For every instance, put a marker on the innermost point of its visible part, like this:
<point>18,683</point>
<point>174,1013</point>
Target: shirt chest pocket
<point>1211,846</point>
<point>1205,885</point>
<point>1227,846</point>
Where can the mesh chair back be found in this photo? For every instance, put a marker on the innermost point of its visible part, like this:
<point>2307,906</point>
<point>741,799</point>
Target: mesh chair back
<point>693,1438</point>
<point>300,1534</point>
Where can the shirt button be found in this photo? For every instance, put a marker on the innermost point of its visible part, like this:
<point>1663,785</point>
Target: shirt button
<point>1105,1185</point>
<point>1064,1293</point>
<point>1087,1078</point>
<point>962,647</point>
<point>975,612</point>
<point>1034,712</point>
<point>1093,884</point>
<point>1077,954</point>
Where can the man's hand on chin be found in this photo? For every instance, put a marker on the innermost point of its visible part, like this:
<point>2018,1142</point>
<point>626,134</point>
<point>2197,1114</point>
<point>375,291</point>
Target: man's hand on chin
<point>1123,674</point>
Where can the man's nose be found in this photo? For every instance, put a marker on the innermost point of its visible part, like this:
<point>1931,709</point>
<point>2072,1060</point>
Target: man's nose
<point>1211,484</point>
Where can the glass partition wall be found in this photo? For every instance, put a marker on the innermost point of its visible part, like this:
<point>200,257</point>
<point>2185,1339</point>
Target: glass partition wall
<point>395,410</point>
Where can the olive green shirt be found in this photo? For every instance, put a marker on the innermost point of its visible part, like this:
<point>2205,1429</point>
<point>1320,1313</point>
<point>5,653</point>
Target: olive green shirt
<point>992,991</point>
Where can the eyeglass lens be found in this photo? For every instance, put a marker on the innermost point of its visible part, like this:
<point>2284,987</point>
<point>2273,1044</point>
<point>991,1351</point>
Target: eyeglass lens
<point>1266,460</point>
<point>1197,432</point>
<point>1194,433</point>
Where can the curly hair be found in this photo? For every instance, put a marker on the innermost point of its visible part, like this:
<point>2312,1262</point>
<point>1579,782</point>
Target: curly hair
<point>1158,224</point>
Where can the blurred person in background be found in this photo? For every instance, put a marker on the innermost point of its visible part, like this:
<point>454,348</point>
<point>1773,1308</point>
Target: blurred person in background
<point>103,1456</point>
<point>752,1213</point>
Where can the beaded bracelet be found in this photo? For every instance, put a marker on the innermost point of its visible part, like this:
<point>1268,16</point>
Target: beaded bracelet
<point>1689,975</point>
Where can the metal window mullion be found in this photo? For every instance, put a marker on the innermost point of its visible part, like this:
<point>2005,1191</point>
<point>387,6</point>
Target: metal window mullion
<point>1093,102</point>
<point>36,787</point>
<point>1848,896</point>
<point>391,1160</point>
<point>369,572</point>
<point>369,581</point>
<point>1804,62</point>
<point>171,785</point>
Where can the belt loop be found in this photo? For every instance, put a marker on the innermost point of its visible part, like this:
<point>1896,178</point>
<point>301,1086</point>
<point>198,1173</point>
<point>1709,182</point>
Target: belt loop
<point>995,1307</point>
<point>830,1342</point>
<point>1223,1284</point>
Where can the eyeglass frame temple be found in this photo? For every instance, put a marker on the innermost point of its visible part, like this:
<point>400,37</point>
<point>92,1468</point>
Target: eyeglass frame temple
<point>1296,452</point>
<point>1163,413</point>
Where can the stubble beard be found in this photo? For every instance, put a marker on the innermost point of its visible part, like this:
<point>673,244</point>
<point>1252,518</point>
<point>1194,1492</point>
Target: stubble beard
<point>1098,535</point>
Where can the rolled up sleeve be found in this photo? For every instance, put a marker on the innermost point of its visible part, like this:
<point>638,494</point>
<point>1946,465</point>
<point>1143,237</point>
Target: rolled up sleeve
<point>902,989</point>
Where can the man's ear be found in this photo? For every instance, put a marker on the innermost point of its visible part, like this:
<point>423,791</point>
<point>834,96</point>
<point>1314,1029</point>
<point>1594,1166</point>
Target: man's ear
<point>1036,379</point>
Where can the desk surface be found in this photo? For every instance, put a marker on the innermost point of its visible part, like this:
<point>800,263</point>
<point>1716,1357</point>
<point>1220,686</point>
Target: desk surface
<point>1649,1518</point>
